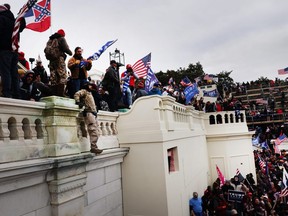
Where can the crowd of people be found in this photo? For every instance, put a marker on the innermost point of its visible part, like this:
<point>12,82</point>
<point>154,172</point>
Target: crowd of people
<point>266,197</point>
<point>114,92</point>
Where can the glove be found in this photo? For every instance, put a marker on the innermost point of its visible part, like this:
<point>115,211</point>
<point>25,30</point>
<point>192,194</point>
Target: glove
<point>94,113</point>
<point>84,113</point>
<point>80,104</point>
<point>82,64</point>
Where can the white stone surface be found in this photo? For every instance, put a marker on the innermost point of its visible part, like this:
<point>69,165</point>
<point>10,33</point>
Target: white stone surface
<point>103,185</point>
<point>25,200</point>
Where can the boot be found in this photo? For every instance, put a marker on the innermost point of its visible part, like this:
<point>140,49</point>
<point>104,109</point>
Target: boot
<point>53,89</point>
<point>60,90</point>
<point>95,150</point>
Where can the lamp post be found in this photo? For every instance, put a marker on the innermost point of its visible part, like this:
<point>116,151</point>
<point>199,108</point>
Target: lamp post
<point>31,60</point>
<point>118,57</point>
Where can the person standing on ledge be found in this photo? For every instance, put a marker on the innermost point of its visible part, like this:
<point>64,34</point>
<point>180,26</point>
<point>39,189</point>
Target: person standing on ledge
<point>78,67</point>
<point>8,57</point>
<point>57,66</point>
<point>85,98</point>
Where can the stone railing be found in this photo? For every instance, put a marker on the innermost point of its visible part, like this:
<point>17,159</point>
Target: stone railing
<point>154,113</point>
<point>52,127</point>
<point>225,122</point>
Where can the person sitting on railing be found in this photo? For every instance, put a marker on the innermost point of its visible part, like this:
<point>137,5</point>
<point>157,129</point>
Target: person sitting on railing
<point>139,91</point>
<point>155,90</point>
<point>31,88</point>
<point>40,70</point>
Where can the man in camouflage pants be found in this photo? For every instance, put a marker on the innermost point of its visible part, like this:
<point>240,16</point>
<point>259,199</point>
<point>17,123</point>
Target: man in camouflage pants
<point>84,98</point>
<point>58,73</point>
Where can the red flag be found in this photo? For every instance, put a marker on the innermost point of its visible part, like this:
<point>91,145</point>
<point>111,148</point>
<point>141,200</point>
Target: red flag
<point>38,18</point>
<point>220,176</point>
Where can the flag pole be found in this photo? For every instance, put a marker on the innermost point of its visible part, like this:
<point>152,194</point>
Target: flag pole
<point>51,31</point>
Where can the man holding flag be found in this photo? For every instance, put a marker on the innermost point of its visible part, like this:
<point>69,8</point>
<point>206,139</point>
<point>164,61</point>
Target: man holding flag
<point>79,73</point>
<point>8,55</point>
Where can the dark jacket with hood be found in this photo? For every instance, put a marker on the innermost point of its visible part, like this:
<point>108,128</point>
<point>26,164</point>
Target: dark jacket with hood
<point>63,46</point>
<point>7,21</point>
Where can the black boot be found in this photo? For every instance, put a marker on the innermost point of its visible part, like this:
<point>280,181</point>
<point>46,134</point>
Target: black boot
<point>53,90</point>
<point>60,90</point>
<point>96,150</point>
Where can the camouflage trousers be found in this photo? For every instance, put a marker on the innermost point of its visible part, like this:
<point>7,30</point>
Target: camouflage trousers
<point>93,129</point>
<point>58,73</point>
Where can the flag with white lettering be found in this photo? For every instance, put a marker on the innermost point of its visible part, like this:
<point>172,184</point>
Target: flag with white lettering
<point>97,55</point>
<point>150,80</point>
<point>190,92</point>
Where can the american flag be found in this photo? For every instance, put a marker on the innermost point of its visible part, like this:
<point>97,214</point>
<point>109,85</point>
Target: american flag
<point>281,139</point>
<point>21,14</point>
<point>208,77</point>
<point>141,66</point>
<point>276,149</point>
<point>185,82</point>
<point>284,185</point>
<point>283,71</point>
<point>240,176</point>
<point>261,163</point>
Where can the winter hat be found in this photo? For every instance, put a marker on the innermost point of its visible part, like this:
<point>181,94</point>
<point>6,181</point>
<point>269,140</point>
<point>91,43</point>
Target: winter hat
<point>3,8</point>
<point>22,54</point>
<point>61,32</point>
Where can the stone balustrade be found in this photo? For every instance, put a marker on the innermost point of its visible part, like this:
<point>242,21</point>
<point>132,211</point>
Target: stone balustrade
<point>228,121</point>
<point>52,127</point>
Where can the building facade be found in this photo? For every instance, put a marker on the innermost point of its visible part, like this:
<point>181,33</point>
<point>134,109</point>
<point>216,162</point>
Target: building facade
<point>154,157</point>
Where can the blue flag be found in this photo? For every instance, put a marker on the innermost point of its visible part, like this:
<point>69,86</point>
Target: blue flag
<point>213,93</point>
<point>255,140</point>
<point>126,82</point>
<point>96,55</point>
<point>190,92</point>
<point>150,80</point>
<point>264,145</point>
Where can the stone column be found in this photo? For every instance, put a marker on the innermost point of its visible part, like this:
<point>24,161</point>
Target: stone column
<point>61,125</point>
<point>66,184</point>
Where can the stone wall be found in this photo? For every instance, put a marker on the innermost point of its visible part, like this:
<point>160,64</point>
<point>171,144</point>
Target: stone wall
<point>46,168</point>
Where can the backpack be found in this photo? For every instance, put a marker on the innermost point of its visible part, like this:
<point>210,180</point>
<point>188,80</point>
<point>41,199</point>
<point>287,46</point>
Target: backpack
<point>52,50</point>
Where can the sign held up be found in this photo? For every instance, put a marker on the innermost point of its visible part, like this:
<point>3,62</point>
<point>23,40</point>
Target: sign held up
<point>235,196</point>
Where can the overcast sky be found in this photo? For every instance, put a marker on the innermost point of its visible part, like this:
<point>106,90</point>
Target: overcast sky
<point>248,37</point>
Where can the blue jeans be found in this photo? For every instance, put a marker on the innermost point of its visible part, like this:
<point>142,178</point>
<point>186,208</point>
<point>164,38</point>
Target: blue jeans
<point>76,85</point>
<point>9,74</point>
<point>127,97</point>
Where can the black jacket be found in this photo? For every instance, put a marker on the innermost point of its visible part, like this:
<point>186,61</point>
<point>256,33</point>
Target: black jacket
<point>7,21</point>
